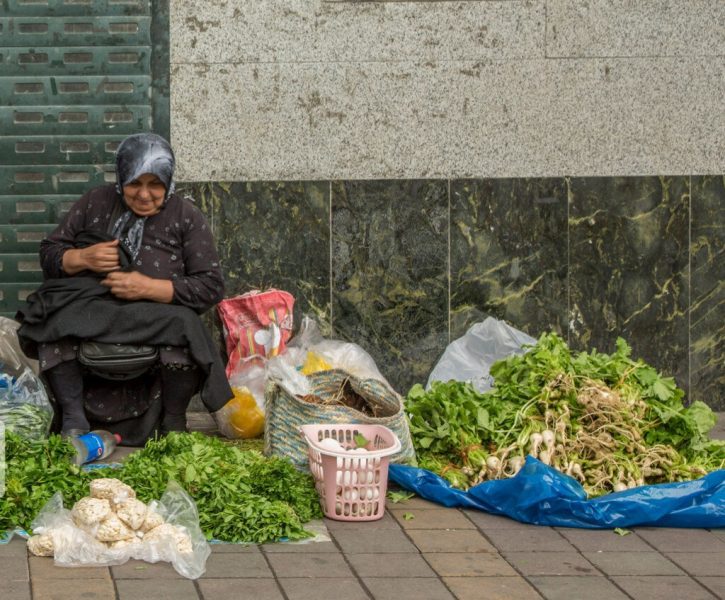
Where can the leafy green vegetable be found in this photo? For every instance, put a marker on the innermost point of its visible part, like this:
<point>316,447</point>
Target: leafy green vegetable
<point>27,420</point>
<point>360,440</point>
<point>396,497</point>
<point>408,516</point>
<point>609,420</point>
<point>622,532</point>
<point>240,495</point>
<point>35,471</point>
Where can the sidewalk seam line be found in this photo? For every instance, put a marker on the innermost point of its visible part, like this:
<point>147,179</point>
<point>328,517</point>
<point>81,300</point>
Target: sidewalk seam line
<point>360,581</point>
<point>274,573</point>
<point>425,560</point>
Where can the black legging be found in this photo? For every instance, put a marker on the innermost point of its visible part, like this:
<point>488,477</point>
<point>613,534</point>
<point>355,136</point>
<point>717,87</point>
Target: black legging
<point>177,388</point>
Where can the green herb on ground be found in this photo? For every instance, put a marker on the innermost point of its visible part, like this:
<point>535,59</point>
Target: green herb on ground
<point>241,496</point>
<point>396,497</point>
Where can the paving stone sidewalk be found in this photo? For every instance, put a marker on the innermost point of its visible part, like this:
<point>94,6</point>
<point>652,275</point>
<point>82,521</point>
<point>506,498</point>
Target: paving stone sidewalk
<point>418,551</point>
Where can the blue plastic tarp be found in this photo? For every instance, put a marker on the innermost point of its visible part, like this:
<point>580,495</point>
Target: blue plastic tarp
<point>541,495</point>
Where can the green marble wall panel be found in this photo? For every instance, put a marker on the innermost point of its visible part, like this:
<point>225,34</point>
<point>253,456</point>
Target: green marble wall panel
<point>273,234</point>
<point>413,263</point>
<point>629,257</point>
<point>390,273</point>
<point>707,313</point>
<point>509,254</point>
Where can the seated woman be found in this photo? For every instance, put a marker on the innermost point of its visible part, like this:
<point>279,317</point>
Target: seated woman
<point>131,263</point>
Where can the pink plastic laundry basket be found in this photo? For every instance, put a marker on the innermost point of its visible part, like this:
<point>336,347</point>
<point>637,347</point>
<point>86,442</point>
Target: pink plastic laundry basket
<point>351,486</point>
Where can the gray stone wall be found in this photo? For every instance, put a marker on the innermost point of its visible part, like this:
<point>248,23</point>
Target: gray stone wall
<point>408,168</point>
<point>306,89</point>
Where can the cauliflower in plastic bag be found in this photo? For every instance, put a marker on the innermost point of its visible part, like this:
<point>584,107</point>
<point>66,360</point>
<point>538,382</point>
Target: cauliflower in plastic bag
<point>168,530</point>
<point>112,490</point>
<point>132,512</point>
<point>152,520</point>
<point>41,545</point>
<point>124,544</point>
<point>89,512</point>
<point>177,535</point>
<point>112,529</point>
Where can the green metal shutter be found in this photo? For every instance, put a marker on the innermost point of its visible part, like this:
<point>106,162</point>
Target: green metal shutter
<point>76,76</point>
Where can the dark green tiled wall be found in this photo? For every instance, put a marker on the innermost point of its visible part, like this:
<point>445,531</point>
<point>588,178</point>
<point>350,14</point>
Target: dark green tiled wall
<point>707,293</point>
<point>403,267</point>
<point>390,272</point>
<point>509,253</point>
<point>628,267</point>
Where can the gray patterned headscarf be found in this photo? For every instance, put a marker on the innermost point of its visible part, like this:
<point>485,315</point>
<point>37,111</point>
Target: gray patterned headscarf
<point>138,154</point>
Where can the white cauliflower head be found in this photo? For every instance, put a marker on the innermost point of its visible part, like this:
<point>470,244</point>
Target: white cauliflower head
<point>113,490</point>
<point>124,544</point>
<point>41,545</point>
<point>112,529</point>
<point>132,512</point>
<point>152,520</point>
<point>175,534</point>
<point>88,512</point>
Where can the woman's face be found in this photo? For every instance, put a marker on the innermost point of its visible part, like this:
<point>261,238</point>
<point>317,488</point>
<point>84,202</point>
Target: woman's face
<point>145,195</point>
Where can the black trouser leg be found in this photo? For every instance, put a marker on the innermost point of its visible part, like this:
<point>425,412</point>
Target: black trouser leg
<point>66,383</point>
<point>177,388</point>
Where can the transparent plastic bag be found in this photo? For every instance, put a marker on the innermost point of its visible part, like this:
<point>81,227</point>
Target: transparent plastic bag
<point>243,415</point>
<point>55,531</point>
<point>309,353</point>
<point>13,360</point>
<point>469,358</point>
<point>24,405</point>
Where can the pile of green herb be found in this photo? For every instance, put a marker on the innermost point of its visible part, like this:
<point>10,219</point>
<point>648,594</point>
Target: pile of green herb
<point>34,471</point>
<point>610,421</point>
<point>241,496</point>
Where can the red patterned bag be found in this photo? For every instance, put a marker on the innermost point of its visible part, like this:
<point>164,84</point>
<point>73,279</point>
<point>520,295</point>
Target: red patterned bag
<point>255,324</point>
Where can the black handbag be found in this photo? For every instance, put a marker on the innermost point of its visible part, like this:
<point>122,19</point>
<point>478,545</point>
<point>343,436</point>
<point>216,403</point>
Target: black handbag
<point>117,361</point>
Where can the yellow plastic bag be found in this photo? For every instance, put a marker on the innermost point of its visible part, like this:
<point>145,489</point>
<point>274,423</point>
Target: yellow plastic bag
<point>245,419</point>
<point>243,415</point>
<point>314,363</point>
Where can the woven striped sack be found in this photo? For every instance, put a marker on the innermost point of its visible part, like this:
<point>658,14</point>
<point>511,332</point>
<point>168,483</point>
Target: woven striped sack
<point>285,413</point>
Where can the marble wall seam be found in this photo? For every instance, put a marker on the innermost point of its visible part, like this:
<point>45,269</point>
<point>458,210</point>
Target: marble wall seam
<point>689,288</point>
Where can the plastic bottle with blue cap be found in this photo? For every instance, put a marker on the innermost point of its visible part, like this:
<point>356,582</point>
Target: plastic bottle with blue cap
<point>95,445</point>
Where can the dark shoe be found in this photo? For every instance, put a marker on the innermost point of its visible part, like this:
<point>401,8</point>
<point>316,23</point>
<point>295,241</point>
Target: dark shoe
<point>68,434</point>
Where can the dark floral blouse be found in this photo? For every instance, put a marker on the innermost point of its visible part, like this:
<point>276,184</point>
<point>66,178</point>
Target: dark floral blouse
<point>177,245</point>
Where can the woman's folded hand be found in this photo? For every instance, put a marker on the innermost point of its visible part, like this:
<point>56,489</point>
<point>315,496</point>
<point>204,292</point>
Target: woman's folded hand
<point>99,258</point>
<point>133,285</point>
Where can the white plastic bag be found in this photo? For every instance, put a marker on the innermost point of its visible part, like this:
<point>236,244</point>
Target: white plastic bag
<point>309,346</point>
<point>73,546</point>
<point>12,357</point>
<point>469,358</point>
